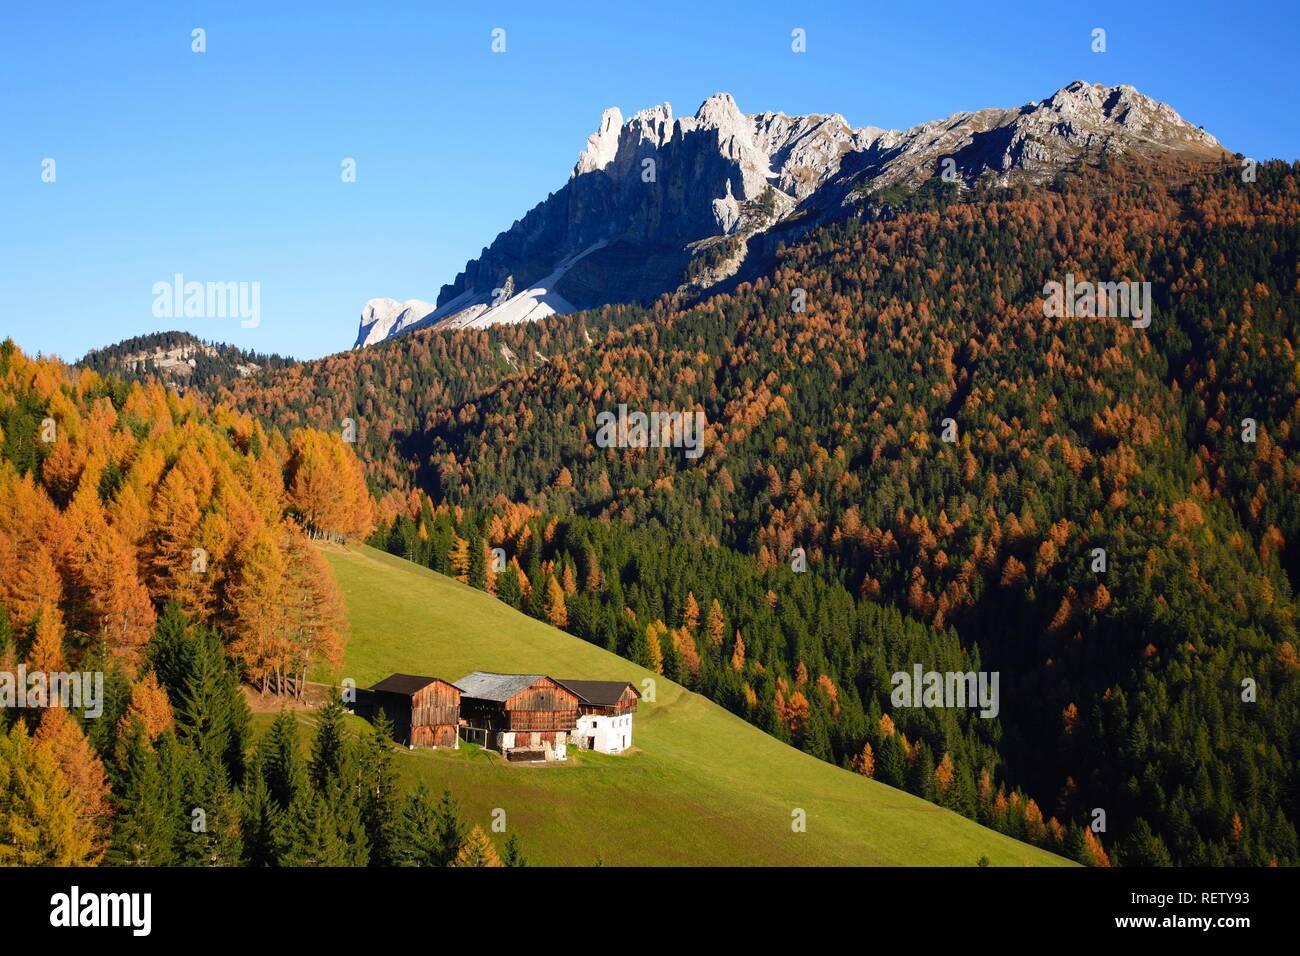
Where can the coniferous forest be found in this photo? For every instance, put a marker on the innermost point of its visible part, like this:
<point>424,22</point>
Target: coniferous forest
<point>915,465</point>
<point>167,546</point>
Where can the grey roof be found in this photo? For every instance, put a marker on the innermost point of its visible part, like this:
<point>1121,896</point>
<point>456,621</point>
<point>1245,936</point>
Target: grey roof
<point>499,687</point>
<point>601,693</point>
<point>406,684</point>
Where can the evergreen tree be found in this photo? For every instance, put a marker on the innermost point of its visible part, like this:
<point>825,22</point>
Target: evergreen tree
<point>348,822</point>
<point>281,760</point>
<point>1142,847</point>
<point>960,797</point>
<point>144,826</point>
<point>171,651</point>
<point>637,645</point>
<point>920,772</point>
<point>1076,846</point>
<point>334,773</point>
<point>449,831</point>
<point>102,732</point>
<point>326,764</point>
<point>259,818</point>
<point>891,764</point>
<point>307,835</point>
<point>421,836</point>
<point>210,834</point>
<point>816,735</point>
<point>380,806</point>
<point>477,563</point>
<point>207,709</point>
<point>208,705</point>
<point>514,854</point>
<point>536,602</point>
<point>508,589</point>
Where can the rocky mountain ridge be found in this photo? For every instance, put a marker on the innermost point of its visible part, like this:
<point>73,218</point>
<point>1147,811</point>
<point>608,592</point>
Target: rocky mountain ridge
<point>660,204</point>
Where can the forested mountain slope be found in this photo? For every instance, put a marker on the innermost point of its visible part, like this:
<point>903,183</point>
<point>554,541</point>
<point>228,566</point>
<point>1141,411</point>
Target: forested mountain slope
<point>1161,690</point>
<point>700,787</point>
<point>179,359</point>
<point>159,546</point>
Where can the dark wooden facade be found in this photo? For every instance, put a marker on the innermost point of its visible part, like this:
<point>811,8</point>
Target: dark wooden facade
<point>605,698</point>
<point>544,705</point>
<point>626,705</point>
<point>425,711</point>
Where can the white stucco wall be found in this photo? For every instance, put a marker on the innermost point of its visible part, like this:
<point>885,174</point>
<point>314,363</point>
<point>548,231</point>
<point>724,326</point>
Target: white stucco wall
<point>612,734</point>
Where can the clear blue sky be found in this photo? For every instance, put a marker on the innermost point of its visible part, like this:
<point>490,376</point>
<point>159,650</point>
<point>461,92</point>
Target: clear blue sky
<point>225,166</point>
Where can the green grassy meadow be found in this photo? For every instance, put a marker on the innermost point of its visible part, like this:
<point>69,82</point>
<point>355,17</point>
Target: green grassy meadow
<point>701,787</point>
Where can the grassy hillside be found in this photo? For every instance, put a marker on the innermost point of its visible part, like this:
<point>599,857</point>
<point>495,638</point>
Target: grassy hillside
<point>701,787</point>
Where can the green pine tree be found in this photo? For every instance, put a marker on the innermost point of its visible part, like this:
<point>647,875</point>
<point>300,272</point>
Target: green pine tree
<point>281,760</point>
<point>211,828</point>
<point>673,665</point>
<point>308,836</point>
<point>477,563</point>
<point>920,772</point>
<point>259,818</point>
<point>327,750</point>
<point>420,838</point>
<point>1143,847</point>
<point>891,764</point>
<point>102,733</point>
<point>449,829</point>
<point>514,854</point>
<point>209,706</point>
<point>380,802</point>
<point>817,736</point>
<point>508,589</point>
<point>171,650</point>
<point>144,827</point>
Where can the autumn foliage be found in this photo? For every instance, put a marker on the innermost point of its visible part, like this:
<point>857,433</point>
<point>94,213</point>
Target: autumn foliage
<point>117,498</point>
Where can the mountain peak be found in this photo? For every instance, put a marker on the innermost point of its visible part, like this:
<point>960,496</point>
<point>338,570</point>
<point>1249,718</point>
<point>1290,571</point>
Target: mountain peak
<point>602,145</point>
<point>678,205</point>
<point>719,109</point>
<point>384,317</point>
<point>1125,109</point>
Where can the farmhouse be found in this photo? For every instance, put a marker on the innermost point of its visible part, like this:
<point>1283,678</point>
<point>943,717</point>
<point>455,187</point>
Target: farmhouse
<point>425,711</point>
<point>524,716</point>
<point>605,709</point>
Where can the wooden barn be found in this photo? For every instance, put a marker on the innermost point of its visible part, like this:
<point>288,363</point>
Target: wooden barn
<point>425,711</point>
<point>524,716</point>
<point>605,709</point>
